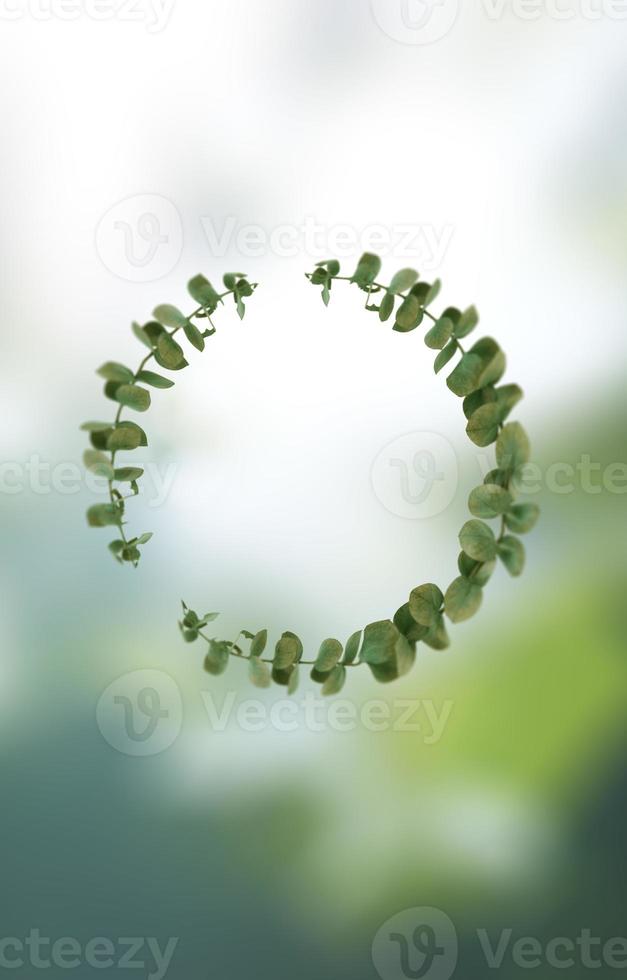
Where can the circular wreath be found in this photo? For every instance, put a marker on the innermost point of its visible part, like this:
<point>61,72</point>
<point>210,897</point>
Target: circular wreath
<point>388,647</point>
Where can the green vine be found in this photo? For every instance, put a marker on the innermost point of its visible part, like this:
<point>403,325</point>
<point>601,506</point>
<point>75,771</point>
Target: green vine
<point>125,387</point>
<point>388,647</point>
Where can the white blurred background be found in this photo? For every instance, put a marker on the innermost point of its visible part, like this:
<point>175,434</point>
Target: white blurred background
<point>482,143</point>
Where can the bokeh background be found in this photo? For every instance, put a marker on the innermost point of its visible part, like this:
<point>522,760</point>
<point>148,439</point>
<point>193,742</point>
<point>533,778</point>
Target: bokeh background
<point>136,147</point>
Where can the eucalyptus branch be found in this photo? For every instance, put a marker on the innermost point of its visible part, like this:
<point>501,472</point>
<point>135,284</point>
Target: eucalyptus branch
<point>125,387</point>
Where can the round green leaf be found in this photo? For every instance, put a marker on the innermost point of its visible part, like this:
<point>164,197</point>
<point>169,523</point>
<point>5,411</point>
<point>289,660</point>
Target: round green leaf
<point>478,541</point>
<point>445,356</point>
<point>288,651</point>
<point>155,380</point>
<point>367,270</point>
<point>201,290</point>
<point>217,659</point>
<point>437,638</point>
<point>489,501</point>
<point>498,477</point>
<point>466,323</point>
<point>462,600</point>
<point>169,354</point>
<point>522,518</point>
<point>379,642</point>
<point>464,379</point>
<point>126,435</point>
<point>440,334</point>
<point>512,554</point>
<point>335,681</point>
<point>170,316</point>
<point>432,293</point>
<point>111,388</point>
<point>329,656</point>
<point>258,644</point>
<point>512,447</point>
<point>507,398</point>
<point>259,673</point>
<point>492,359</point>
<point>96,462</point>
<point>132,396</point>
<point>128,474</point>
<point>403,281</point>
<point>104,515</point>
<point>194,335</point>
<point>425,603</point>
<point>480,573</point>
<point>352,648</point>
<point>482,365</point>
<point>483,426</point>
<point>484,396</point>
<point>408,316</point>
<point>112,371</point>
<point>142,335</point>
<point>397,666</point>
<point>282,675</point>
<point>405,622</point>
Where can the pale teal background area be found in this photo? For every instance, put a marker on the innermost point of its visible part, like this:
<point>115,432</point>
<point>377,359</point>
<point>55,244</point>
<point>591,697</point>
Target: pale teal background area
<point>281,853</point>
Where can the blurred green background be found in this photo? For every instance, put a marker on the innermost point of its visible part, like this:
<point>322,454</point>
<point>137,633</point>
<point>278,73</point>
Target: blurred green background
<point>284,851</point>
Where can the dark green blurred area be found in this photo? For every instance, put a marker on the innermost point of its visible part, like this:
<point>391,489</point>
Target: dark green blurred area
<point>284,858</point>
